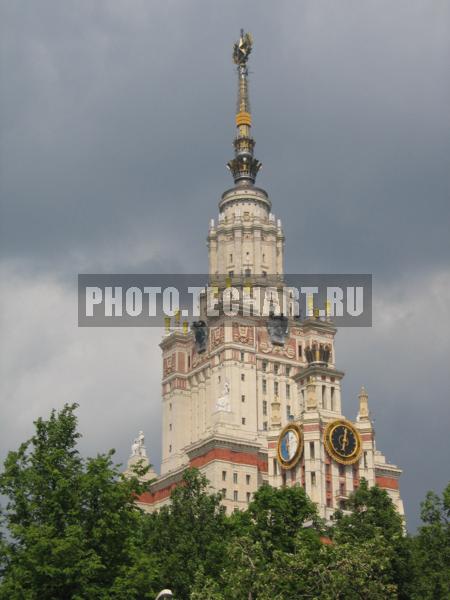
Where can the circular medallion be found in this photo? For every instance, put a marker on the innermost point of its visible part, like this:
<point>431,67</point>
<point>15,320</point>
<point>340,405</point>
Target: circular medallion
<point>290,446</point>
<point>343,442</point>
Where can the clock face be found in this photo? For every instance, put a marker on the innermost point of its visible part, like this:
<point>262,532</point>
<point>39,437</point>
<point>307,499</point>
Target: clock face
<point>343,442</point>
<point>290,446</point>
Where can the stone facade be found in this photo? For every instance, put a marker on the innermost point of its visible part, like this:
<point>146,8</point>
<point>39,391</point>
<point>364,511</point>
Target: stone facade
<point>223,410</point>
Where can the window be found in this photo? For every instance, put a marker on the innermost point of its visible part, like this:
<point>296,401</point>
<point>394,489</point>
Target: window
<point>276,368</point>
<point>264,365</point>
<point>264,408</point>
<point>329,504</point>
<point>170,406</point>
<point>224,492</point>
<point>218,379</point>
<point>249,496</point>
<point>235,477</point>
<point>341,470</point>
<point>247,272</point>
<point>235,496</point>
<point>231,258</point>
<point>342,488</point>
<point>243,420</point>
<point>189,361</point>
<point>288,370</point>
<point>312,451</point>
<point>242,376</point>
<point>247,479</point>
<point>300,351</point>
<point>264,258</point>
<point>170,426</point>
<point>333,407</point>
<point>264,386</point>
<point>275,388</point>
<point>230,273</point>
<point>264,273</point>
<point>224,475</point>
<point>243,398</point>
<point>288,411</point>
<point>323,395</point>
<point>170,448</point>
<point>313,478</point>
<point>275,466</point>
<point>288,391</point>
<point>365,460</point>
<point>242,356</point>
<point>265,426</point>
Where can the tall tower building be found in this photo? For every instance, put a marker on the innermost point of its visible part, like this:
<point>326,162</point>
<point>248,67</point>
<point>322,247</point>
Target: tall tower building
<point>246,408</point>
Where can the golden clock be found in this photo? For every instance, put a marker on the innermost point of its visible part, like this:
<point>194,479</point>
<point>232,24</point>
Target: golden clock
<point>290,446</point>
<point>343,442</point>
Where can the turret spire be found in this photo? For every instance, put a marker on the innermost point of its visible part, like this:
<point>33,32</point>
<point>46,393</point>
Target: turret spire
<point>363,396</point>
<point>244,167</point>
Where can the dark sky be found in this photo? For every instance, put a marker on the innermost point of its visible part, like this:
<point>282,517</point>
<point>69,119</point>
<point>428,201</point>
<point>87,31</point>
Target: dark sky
<point>116,124</point>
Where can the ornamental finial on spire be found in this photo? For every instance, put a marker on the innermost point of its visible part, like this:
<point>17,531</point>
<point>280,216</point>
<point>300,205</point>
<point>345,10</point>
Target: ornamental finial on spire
<point>243,166</point>
<point>242,48</point>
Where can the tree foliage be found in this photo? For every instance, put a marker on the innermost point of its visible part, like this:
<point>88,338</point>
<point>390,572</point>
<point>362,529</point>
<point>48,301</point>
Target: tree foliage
<point>432,548</point>
<point>69,519</point>
<point>72,530</point>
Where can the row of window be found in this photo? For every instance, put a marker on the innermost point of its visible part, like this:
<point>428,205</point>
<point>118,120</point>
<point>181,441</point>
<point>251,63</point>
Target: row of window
<point>230,257</point>
<point>276,388</point>
<point>288,410</point>
<point>235,477</point>
<point>312,455</point>
<point>247,273</point>
<point>248,495</point>
<point>277,368</point>
<point>327,402</point>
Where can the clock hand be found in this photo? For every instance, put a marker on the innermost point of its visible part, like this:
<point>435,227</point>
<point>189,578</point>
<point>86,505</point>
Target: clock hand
<point>344,440</point>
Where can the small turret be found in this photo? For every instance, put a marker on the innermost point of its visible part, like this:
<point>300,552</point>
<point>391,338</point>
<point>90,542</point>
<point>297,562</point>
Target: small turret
<point>363,414</point>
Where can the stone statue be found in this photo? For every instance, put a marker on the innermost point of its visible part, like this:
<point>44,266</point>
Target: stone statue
<point>223,403</point>
<point>200,330</point>
<point>242,48</point>
<point>138,447</point>
<point>278,327</point>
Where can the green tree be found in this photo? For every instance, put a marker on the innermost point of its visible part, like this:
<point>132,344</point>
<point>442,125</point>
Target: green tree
<point>369,510</point>
<point>432,548</point>
<point>270,526</point>
<point>190,534</point>
<point>275,516</point>
<point>344,571</point>
<point>372,515</point>
<point>313,569</point>
<point>71,521</point>
<point>74,532</point>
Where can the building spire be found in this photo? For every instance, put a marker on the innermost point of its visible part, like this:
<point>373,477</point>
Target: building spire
<point>244,167</point>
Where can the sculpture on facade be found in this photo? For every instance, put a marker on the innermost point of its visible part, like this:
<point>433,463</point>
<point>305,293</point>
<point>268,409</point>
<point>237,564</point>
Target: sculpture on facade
<point>138,446</point>
<point>223,403</point>
<point>278,327</point>
<point>200,335</point>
